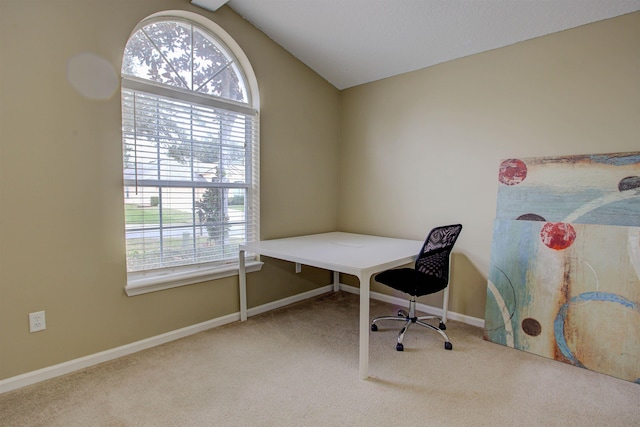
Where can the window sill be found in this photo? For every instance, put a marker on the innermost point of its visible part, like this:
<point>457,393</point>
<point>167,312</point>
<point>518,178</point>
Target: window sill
<point>167,280</point>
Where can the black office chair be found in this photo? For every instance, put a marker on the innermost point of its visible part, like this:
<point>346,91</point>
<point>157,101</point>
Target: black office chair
<point>430,275</point>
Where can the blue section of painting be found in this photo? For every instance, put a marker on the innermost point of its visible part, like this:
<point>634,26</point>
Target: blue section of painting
<point>556,204</point>
<point>616,159</point>
<point>606,205</point>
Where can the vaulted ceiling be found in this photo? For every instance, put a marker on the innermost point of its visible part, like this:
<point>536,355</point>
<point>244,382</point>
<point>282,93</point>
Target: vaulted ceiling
<point>351,42</point>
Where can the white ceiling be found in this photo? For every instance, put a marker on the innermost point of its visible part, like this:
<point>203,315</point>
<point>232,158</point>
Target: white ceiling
<point>351,42</point>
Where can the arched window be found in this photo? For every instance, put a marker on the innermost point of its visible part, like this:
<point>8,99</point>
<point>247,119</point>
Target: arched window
<point>190,148</point>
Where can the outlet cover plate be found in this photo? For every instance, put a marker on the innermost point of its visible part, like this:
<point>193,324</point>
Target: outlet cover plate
<point>37,321</point>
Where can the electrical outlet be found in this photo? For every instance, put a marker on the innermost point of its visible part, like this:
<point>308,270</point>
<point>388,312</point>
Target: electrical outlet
<point>37,322</point>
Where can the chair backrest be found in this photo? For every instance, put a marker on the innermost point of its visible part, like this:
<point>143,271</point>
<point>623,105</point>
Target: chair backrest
<point>433,259</point>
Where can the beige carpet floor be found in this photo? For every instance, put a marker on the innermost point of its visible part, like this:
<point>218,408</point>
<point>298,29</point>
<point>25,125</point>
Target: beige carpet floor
<point>298,366</point>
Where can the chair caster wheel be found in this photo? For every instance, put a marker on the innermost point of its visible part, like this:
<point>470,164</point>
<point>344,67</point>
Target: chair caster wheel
<point>399,347</point>
<point>442,326</point>
<point>448,346</point>
<point>374,327</point>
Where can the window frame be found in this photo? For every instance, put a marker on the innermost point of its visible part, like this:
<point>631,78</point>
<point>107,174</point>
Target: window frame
<point>144,281</point>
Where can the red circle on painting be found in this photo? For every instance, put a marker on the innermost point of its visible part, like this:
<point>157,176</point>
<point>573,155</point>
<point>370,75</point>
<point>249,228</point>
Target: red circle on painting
<point>512,172</point>
<point>558,235</point>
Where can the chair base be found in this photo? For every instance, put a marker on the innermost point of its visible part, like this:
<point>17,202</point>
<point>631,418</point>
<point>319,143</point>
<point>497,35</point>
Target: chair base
<point>411,318</point>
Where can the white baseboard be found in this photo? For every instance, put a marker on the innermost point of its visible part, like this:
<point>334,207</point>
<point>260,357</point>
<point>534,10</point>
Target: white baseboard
<point>49,372</point>
<point>43,374</point>
<point>437,311</point>
<point>290,300</point>
<point>114,353</point>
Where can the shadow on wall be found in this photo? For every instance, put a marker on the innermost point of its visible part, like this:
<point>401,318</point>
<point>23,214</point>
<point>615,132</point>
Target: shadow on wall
<point>278,279</point>
<point>468,293</point>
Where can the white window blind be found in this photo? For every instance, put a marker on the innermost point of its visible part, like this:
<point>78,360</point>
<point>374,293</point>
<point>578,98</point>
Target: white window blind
<point>190,153</point>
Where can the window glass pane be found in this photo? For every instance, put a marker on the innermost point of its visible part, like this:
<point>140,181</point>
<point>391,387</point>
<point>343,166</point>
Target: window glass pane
<point>208,60</point>
<point>181,55</point>
<point>173,41</point>
<point>142,205</point>
<point>143,59</point>
<point>164,228</point>
<point>199,160</point>
<point>224,85</point>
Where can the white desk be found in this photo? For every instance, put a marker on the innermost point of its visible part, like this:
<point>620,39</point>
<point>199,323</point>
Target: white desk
<point>356,254</point>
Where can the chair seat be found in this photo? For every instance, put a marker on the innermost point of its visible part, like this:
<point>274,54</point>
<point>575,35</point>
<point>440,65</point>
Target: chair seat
<point>411,281</point>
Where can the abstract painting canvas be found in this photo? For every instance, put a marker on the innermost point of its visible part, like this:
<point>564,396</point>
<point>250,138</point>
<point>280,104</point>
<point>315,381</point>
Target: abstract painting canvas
<point>564,279</point>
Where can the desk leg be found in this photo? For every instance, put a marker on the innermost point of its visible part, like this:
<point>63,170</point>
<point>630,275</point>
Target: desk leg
<point>243,287</point>
<point>336,281</point>
<point>364,325</point>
